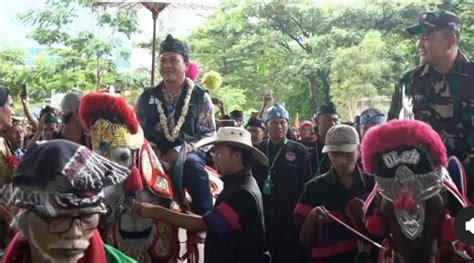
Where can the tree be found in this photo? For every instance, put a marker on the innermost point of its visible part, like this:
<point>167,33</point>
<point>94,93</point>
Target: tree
<point>80,59</point>
<point>243,57</point>
<point>11,59</point>
<point>465,10</point>
<point>291,48</point>
<point>360,72</point>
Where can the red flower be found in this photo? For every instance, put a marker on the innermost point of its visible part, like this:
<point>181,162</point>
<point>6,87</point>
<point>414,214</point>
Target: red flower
<point>13,162</point>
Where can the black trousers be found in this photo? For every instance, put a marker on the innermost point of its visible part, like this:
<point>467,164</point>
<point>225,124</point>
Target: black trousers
<point>286,249</point>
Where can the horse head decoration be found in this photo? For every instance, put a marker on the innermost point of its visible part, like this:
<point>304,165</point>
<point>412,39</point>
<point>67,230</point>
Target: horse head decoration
<point>414,200</point>
<point>116,134</point>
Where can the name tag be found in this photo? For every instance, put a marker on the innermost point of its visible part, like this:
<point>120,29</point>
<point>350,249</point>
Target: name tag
<point>267,187</point>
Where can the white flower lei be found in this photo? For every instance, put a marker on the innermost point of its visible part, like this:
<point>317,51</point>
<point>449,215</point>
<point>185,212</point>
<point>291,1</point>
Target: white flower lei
<point>184,111</point>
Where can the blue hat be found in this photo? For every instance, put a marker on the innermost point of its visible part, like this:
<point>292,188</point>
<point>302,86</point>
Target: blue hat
<point>372,117</point>
<point>276,112</point>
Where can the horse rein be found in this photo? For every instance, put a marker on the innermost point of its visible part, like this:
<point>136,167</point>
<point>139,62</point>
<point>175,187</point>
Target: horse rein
<point>354,231</point>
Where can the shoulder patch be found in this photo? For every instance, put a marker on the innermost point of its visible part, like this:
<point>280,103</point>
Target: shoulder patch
<point>290,156</point>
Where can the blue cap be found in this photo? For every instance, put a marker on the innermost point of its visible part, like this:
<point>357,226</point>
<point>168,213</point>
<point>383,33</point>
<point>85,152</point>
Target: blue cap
<point>372,117</point>
<point>276,112</point>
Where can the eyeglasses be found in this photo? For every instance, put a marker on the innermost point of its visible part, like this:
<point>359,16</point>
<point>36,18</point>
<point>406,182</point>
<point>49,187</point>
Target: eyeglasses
<point>61,225</point>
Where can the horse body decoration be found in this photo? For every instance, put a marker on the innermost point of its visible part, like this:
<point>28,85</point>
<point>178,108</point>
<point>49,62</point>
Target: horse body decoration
<point>136,235</point>
<point>147,240</point>
<point>414,201</point>
<point>116,134</point>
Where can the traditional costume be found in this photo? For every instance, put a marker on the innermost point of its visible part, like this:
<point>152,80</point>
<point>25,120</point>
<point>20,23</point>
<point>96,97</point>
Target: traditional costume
<point>171,119</point>
<point>281,184</point>
<point>168,119</point>
<point>59,177</point>
<point>408,159</point>
<point>113,125</point>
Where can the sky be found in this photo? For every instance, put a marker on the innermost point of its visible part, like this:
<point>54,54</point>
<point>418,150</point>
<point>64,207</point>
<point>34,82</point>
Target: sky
<point>177,21</point>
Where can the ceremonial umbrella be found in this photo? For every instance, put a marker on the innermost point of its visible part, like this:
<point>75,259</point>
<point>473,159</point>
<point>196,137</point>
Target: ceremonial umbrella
<point>156,6</point>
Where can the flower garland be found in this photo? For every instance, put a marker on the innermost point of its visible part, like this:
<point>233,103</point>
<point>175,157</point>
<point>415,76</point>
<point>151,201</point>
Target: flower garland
<point>184,111</point>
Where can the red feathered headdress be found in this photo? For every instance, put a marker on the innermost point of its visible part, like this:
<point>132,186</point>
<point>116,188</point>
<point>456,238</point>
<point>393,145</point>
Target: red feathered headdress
<point>193,70</point>
<point>101,101</point>
<point>396,133</point>
<point>399,135</point>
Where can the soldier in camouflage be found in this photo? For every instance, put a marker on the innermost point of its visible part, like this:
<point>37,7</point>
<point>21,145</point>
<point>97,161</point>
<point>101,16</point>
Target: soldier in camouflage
<point>440,91</point>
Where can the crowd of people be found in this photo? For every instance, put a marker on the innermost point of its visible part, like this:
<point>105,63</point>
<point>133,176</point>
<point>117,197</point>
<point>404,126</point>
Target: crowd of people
<point>101,181</point>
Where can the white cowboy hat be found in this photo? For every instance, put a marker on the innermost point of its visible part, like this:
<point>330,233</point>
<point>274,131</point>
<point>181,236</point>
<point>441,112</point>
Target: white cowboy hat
<point>237,137</point>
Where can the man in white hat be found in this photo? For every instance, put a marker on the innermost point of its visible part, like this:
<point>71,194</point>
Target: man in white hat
<point>73,130</point>
<point>235,225</point>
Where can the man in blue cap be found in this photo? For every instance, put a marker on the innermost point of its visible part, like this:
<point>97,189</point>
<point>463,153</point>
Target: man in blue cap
<point>370,118</point>
<point>281,183</point>
<point>439,90</point>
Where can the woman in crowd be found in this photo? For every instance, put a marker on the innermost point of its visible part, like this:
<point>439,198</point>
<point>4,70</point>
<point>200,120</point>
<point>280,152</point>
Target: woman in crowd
<point>8,163</point>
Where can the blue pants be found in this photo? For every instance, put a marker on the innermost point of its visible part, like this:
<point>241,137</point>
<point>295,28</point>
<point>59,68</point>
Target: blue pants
<point>196,181</point>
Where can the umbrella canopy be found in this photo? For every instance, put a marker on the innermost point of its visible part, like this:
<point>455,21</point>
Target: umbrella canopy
<point>155,7</point>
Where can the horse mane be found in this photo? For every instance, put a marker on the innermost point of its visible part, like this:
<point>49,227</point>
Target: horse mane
<point>398,133</point>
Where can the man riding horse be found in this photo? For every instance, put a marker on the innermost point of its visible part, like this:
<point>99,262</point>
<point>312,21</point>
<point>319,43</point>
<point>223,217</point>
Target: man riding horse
<point>414,201</point>
<point>116,134</point>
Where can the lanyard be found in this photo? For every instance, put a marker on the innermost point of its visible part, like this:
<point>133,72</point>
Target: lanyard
<point>274,159</point>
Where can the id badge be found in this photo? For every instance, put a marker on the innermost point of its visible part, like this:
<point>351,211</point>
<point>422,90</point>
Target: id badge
<point>267,186</point>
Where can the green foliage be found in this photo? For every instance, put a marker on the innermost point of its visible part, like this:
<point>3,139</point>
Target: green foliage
<point>74,59</point>
<point>360,72</point>
<point>233,98</point>
<point>243,57</point>
<point>12,58</point>
<point>307,52</point>
<point>310,53</point>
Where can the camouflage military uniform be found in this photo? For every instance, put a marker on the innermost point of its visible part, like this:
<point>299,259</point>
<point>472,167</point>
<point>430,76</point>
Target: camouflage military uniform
<point>446,102</point>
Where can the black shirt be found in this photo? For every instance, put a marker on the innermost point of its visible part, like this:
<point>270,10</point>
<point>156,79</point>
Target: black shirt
<point>311,145</point>
<point>236,231</point>
<point>323,164</point>
<point>290,173</point>
<point>333,242</point>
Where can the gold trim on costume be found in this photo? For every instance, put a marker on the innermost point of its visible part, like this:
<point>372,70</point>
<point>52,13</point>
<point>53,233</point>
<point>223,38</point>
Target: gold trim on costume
<point>105,134</point>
